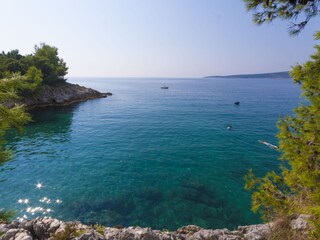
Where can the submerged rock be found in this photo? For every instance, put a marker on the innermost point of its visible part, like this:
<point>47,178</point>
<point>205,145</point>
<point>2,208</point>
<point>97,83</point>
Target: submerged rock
<point>52,229</point>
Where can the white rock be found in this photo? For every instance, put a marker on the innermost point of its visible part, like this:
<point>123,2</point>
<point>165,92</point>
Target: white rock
<point>301,223</point>
<point>218,234</point>
<point>17,234</point>
<point>255,232</point>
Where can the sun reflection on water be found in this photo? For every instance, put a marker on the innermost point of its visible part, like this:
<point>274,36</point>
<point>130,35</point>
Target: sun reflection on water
<point>31,208</point>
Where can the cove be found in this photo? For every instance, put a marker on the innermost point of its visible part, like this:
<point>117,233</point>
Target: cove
<point>149,156</point>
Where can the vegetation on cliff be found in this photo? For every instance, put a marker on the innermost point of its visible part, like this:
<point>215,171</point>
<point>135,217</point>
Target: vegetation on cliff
<point>295,188</point>
<point>45,58</point>
<point>21,76</point>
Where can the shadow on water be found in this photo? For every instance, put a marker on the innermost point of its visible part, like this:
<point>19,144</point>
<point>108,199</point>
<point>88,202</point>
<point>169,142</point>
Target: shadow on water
<point>46,122</point>
<point>53,117</point>
<point>191,202</point>
<point>49,114</point>
<point>47,125</point>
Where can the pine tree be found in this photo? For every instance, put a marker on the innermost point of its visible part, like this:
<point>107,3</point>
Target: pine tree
<point>298,12</point>
<point>296,189</point>
<point>14,117</point>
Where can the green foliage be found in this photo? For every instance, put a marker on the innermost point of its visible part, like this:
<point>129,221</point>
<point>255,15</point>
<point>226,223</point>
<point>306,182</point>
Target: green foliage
<point>12,62</point>
<point>45,58</point>
<point>6,215</point>
<point>99,228</point>
<point>297,11</point>
<point>11,117</point>
<point>296,188</point>
<point>20,86</point>
<point>66,234</point>
<point>53,68</point>
<point>31,81</point>
<point>70,232</point>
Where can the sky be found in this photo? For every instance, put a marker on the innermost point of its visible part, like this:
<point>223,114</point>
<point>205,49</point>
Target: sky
<point>153,38</point>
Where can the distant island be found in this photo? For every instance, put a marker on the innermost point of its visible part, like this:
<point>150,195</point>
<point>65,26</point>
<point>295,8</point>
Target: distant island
<point>259,75</point>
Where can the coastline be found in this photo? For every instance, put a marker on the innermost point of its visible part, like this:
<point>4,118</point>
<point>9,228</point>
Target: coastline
<point>54,229</point>
<point>60,94</point>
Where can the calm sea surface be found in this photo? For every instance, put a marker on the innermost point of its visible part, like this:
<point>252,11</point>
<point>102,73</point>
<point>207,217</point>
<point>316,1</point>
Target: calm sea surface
<point>148,156</point>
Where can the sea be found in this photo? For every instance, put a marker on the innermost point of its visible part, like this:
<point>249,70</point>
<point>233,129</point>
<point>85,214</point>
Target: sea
<point>146,156</point>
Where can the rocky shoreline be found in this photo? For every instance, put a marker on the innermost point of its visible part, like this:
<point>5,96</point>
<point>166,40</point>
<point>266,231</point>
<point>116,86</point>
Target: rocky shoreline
<point>54,229</point>
<point>58,94</point>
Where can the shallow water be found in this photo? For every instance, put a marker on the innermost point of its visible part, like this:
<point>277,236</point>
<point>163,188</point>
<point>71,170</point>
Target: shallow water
<point>148,156</point>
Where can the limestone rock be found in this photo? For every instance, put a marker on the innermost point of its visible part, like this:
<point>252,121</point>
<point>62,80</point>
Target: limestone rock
<point>111,233</point>
<point>219,234</point>
<point>167,235</point>
<point>17,234</point>
<point>255,232</point>
<point>14,224</point>
<point>3,228</point>
<point>92,235</point>
<point>301,223</point>
<point>47,228</point>
<point>133,233</point>
<point>27,225</point>
<point>190,229</point>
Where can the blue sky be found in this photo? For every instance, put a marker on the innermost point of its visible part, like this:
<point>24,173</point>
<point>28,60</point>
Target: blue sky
<point>153,38</point>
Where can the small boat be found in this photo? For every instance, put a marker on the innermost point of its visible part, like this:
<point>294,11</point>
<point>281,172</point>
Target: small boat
<point>237,103</point>
<point>164,87</point>
<point>268,144</point>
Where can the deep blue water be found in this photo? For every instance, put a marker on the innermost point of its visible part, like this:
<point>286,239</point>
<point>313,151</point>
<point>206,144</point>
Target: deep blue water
<point>147,156</point>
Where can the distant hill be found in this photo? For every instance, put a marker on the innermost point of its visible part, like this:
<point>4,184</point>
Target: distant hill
<point>259,75</point>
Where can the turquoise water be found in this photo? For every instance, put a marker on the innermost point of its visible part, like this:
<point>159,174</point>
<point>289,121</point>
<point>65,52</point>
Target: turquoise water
<point>147,156</point>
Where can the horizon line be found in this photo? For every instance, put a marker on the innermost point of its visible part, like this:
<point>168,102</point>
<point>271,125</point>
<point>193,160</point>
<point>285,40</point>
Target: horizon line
<point>175,77</point>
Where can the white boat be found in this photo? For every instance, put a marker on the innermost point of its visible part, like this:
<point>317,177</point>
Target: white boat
<point>269,144</point>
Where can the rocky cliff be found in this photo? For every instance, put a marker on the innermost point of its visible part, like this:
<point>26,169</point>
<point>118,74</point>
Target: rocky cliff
<point>53,229</point>
<point>59,94</point>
